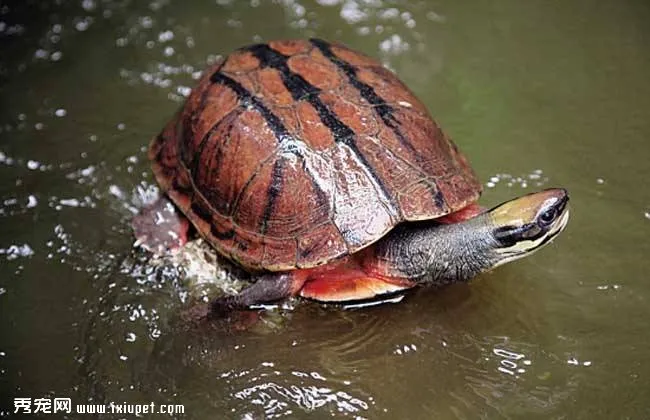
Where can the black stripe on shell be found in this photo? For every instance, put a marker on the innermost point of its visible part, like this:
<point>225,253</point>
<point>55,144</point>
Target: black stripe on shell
<point>285,140</point>
<point>301,89</point>
<point>275,187</point>
<point>247,99</point>
<point>384,110</point>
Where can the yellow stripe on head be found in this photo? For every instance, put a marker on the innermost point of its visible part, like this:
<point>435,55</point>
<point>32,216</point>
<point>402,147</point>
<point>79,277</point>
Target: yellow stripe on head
<point>525,224</point>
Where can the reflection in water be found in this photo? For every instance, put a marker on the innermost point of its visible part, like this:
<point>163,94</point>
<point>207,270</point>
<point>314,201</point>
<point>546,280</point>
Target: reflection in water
<point>508,363</point>
<point>307,391</point>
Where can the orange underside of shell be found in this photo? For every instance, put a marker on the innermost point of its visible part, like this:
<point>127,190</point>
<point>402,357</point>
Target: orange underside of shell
<point>345,281</point>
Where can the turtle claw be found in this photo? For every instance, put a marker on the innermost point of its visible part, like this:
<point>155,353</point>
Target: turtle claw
<point>139,241</point>
<point>160,228</point>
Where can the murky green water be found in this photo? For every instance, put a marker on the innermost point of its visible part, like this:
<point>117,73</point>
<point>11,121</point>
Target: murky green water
<point>536,93</point>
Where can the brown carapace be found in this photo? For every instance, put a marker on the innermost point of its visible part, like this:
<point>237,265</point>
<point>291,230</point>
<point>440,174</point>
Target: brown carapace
<point>292,154</point>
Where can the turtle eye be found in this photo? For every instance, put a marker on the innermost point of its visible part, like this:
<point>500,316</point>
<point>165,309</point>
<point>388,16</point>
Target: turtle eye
<point>547,217</point>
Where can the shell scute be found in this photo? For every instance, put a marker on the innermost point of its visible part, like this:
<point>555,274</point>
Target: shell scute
<point>273,88</point>
<point>322,240</point>
<point>313,131</point>
<point>240,61</point>
<point>291,47</point>
<point>229,158</point>
<point>319,75</point>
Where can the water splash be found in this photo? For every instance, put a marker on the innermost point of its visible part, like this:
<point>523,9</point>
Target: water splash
<point>534,178</point>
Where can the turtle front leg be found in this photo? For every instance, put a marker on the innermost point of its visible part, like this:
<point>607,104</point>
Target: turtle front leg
<point>160,227</point>
<point>268,288</point>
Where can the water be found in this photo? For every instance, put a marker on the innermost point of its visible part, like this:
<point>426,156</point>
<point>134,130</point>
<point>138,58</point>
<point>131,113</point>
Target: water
<point>537,94</point>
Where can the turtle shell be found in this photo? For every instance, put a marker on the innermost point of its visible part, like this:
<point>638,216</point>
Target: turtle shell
<point>293,153</point>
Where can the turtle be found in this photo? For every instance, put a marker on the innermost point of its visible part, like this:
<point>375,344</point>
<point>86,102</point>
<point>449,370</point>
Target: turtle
<point>314,168</point>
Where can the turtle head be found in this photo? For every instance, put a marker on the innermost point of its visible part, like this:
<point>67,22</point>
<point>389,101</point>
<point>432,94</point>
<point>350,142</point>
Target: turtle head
<point>442,253</point>
<point>525,224</point>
